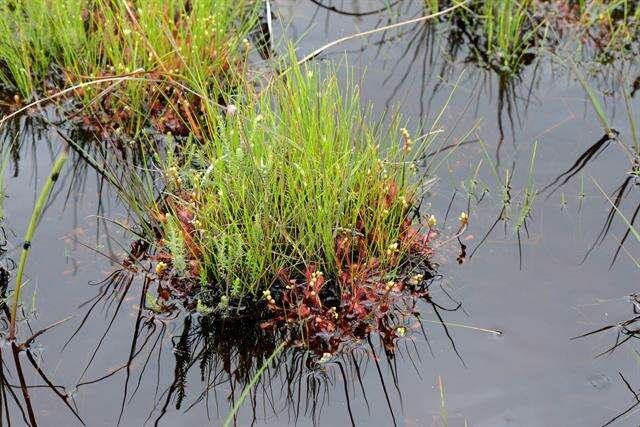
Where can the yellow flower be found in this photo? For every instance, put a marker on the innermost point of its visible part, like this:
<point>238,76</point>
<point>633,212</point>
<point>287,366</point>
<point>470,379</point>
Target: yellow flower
<point>432,221</point>
<point>401,331</point>
<point>464,218</point>
<point>161,267</point>
<point>392,248</point>
<point>416,279</point>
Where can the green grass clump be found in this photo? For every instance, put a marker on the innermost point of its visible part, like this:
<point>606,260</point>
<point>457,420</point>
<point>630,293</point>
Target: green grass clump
<point>610,27</point>
<point>47,44</point>
<point>284,184</point>
<point>504,35</point>
<point>501,35</point>
<point>511,33</point>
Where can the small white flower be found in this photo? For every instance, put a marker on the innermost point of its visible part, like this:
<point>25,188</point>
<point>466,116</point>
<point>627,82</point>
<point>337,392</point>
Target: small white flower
<point>325,358</point>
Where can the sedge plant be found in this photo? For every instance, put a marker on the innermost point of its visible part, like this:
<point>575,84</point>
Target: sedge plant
<point>163,46</point>
<point>282,181</point>
<point>502,34</point>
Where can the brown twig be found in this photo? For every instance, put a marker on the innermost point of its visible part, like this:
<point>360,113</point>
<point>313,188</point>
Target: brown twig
<point>377,30</point>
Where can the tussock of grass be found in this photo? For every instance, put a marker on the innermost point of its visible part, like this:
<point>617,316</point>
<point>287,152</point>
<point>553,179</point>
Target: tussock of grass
<point>504,35</point>
<point>511,33</point>
<point>610,27</point>
<point>48,45</point>
<point>501,35</point>
<point>294,181</point>
<point>285,185</point>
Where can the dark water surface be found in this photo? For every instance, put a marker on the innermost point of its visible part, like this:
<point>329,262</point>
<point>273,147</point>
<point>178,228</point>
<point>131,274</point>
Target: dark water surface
<point>530,375</point>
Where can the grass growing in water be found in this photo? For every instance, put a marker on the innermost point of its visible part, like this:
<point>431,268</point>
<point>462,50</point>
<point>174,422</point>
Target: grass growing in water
<point>302,182</point>
<point>501,35</point>
<point>28,237</point>
<point>611,27</point>
<point>504,35</point>
<point>511,33</point>
<point>55,44</point>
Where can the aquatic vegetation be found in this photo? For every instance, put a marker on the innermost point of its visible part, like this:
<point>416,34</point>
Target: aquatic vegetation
<point>500,35</point>
<point>607,30</point>
<point>247,390</point>
<point>506,35</point>
<point>302,181</point>
<point>150,57</point>
<point>28,237</point>
<point>514,206</point>
<point>510,36</point>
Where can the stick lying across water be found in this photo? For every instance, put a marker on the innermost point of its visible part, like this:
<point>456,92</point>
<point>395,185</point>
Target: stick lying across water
<point>377,30</point>
<point>114,80</point>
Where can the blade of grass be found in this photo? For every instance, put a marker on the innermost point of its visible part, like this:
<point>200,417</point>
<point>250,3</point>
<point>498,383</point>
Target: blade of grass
<point>595,102</point>
<point>633,230</point>
<point>252,383</point>
<point>33,223</point>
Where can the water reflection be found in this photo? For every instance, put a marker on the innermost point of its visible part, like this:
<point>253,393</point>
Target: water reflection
<point>177,369</point>
<point>216,359</point>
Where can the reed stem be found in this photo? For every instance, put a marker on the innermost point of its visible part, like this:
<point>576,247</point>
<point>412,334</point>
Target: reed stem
<point>251,384</point>
<point>33,223</point>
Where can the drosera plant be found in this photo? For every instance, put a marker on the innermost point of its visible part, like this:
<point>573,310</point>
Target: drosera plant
<point>300,199</point>
<point>168,50</point>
